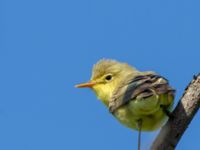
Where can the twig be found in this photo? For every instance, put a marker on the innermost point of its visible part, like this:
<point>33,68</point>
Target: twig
<point>183,114</point>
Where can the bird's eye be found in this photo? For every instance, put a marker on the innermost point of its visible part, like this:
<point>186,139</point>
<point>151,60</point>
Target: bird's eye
<point>108,77</point>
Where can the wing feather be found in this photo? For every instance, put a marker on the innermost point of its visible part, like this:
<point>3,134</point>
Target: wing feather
<point>140,87</point>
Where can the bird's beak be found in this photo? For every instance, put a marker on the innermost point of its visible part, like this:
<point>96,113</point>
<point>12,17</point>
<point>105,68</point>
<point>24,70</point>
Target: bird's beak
<point>85,85</point>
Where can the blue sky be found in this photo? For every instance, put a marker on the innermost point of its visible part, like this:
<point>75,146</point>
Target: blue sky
<point>46,47</point>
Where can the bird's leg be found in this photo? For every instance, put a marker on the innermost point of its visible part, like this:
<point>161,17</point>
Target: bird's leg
<point>139,127</point>
<point>166,111</point>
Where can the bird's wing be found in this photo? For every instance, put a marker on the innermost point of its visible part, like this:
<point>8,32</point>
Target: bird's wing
<point>140,87</point>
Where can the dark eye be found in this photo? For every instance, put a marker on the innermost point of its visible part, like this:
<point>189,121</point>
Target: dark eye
<point>108,77</point>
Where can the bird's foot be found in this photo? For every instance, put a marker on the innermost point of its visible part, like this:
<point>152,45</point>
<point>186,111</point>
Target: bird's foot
<point>166,111</point>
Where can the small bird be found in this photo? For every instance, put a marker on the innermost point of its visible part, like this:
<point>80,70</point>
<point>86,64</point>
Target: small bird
<point>139,100</point>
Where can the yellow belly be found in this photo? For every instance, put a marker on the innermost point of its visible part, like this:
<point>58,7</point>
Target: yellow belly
<point>148,110</point>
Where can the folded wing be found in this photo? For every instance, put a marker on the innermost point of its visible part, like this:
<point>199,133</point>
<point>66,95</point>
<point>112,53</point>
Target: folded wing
<point>139,87</point>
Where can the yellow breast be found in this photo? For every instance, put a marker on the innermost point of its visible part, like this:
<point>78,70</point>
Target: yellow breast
<point>148,110</point>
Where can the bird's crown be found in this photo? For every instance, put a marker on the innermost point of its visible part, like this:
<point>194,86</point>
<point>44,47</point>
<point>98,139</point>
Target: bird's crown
<point>106,66</point>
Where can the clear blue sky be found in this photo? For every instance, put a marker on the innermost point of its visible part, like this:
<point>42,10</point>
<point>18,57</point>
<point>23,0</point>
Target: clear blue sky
<point>48,46</point>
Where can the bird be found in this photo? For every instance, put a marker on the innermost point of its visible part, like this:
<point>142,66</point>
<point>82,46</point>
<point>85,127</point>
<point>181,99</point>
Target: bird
<point>139,100</point>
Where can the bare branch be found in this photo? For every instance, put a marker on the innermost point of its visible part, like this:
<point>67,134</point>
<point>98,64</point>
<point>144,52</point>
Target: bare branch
<point>183,114</point>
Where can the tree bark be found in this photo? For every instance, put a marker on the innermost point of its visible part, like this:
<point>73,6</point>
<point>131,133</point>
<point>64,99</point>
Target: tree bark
<point>182,115</point>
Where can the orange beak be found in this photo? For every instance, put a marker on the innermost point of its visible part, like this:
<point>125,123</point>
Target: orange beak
<point>85,85</point>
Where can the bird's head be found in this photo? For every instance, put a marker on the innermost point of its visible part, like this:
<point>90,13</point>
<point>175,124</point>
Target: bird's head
<point>107,76</point>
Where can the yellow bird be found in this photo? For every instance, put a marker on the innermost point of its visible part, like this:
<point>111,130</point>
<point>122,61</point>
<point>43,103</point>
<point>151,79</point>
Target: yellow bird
<point>138,100</point>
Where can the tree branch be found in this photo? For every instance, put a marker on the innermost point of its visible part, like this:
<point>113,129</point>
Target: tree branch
<point>183,114</point>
